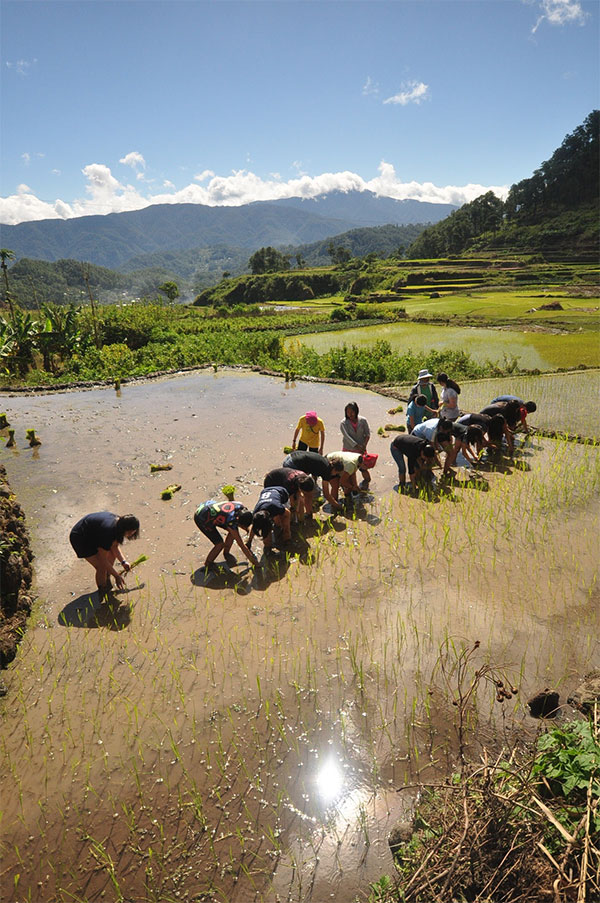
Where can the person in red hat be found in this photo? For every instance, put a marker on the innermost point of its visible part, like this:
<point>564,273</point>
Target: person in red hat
<point>352,463</point>
<point>311,430</point>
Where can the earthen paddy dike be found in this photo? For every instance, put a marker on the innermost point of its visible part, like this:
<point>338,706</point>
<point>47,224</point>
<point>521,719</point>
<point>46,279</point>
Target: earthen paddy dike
<point>249,738</point>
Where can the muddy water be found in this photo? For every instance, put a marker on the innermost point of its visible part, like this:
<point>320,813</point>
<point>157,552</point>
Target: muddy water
<point>249,739</point>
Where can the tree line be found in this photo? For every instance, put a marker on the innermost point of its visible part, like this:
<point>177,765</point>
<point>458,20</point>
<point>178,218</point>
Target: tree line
<point>568,181</point>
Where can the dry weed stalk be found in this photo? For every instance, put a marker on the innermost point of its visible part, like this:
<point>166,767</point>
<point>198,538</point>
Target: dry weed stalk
<point>487,835</point>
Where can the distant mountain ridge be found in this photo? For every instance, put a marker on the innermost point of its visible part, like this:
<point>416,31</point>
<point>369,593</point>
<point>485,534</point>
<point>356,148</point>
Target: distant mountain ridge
<point>368,209</point>
<point>112,240</point>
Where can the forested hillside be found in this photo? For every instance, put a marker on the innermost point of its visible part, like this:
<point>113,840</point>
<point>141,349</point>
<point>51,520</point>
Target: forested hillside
<point>35,282</point>
<point>554,212</point>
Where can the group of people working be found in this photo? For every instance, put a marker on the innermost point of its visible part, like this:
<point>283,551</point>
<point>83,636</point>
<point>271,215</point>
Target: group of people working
<point>434,425</point>
<point>437,425</point>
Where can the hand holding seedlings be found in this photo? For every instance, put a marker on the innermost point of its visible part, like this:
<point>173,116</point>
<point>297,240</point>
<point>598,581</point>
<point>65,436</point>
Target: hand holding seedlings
<point>97,537</point>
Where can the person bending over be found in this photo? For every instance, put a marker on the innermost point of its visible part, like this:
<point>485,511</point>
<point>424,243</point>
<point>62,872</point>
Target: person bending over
<point>318,466</point>
<point>272,510</point>
<point>493,428</point>
<point>351,463</point>
<point>212,516</point>
<point>300,487</point>
<point>437,431</point>
<point>420,457</point>
<point>98,538</point>
<point>510,415</point>
<point>526,407</point>
<point>465,438</point>
<point>513,412</point>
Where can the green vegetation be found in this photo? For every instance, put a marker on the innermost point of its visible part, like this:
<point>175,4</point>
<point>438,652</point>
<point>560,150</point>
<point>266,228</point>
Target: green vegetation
<point>556,210</point>
<point>37,282</point>
<point>549,294</point>
<point>61,344</point>
<point>495,827</point>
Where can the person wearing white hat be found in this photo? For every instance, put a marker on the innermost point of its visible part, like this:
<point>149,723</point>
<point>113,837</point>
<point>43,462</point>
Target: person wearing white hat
<point>425,387</point>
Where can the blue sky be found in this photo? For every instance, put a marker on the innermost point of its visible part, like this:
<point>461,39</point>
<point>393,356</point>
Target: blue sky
<point>111,106</point>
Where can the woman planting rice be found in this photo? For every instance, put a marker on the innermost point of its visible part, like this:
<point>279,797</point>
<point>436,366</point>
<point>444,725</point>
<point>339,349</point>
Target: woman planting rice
<point>228,516</point>
<point>98,537</point>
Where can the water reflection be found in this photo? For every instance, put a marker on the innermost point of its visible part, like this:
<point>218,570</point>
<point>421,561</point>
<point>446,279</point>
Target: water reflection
<point>330,780</point>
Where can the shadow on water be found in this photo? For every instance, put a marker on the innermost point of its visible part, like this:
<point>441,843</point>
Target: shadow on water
<point>274,563</point>
<point>354,508</point>
<point>87,611</point>
<point>473,481</point>
<point>429,492</point>
<point>320,527</point>
<point>223,576</point>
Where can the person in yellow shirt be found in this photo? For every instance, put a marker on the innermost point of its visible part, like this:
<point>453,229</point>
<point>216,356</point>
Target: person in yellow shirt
<point>311,430</point>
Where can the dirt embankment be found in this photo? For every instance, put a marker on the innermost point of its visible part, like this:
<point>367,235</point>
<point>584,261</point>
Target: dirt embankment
<point>15,573</point>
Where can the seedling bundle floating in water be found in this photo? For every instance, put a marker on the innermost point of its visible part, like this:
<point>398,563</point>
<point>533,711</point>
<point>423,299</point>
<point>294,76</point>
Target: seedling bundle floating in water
<point>32,438</point>
<point>4,424</point>
<point>228,491</point>
<point>156,467</point>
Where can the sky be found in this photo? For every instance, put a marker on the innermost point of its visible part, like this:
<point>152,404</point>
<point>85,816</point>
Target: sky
<point>112,105</point>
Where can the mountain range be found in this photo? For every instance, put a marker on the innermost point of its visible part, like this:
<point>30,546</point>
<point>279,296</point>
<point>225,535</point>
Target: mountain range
<point>112,240</point>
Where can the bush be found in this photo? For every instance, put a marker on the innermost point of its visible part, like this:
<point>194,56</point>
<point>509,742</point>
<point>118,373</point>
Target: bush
<point>339,314</point>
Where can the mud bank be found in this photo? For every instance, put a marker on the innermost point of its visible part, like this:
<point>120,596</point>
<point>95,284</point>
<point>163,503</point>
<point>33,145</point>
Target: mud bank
<point>15,573</point>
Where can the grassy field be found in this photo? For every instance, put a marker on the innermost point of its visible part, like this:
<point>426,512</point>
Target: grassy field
<point>533,350</point>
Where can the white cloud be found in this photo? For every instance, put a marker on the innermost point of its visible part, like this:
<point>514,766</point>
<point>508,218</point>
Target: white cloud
<point>21,67</point>
<point>411,92</point>
<point>370,87</point>
<point>105,194</point>
<point>26,158</point>
<point>133,159</point>
<point>560,12</point>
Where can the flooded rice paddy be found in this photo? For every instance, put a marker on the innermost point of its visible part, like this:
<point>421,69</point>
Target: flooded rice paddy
<point>540,350</point>
<point>256,736</point>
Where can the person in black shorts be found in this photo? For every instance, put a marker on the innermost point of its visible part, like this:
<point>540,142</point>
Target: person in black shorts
<point>318,466</point>
<point>514,411</point>
<point>213,516</point>
<point>420,456</point>
<point>97,537</point>
<point>510,411</point>
<point>464,438</point>
<point>272,510</point>
<point>493,427</point>
<point>299,485</point>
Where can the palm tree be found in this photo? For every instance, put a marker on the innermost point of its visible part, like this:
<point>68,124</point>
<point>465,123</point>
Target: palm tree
<point>6,254</point>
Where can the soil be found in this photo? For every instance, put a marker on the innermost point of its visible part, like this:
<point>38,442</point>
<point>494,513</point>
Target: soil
<point>15,573</point>
<point>243,736</point>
